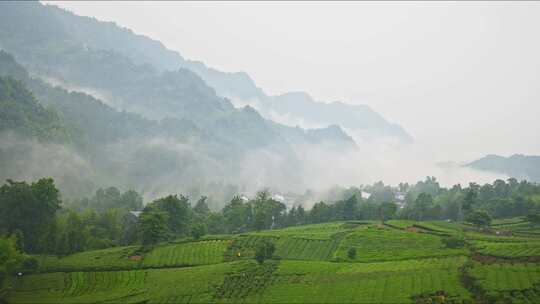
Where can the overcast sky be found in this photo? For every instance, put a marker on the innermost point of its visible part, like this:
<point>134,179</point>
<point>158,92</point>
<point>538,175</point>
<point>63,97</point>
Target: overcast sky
<point>462,78</point>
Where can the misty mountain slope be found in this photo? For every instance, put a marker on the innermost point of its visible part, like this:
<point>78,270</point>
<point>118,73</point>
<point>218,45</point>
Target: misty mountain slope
<point>235,84</point>
<point>128,85</point>
<point>517,166</point>
<point>361,120</point>
<point>20,112</point>
<point>100,145</point>
<point>331,136</point>
<point>63,38</point>
<point>90,121</point>
<point>157,157</point>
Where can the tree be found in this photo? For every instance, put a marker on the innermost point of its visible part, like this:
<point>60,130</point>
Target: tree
<point>30,208</point>
<point>300,215</point>
<point>269,213</point>
<point>469,200</point>
<point>387,211</point>
<point>153,227</point>
<point>453,242</point>
<point>534,218</point>
<point>198,230</point>
<point>264,251</point>
<point>479,218</point>
<point>423,202</point>
<point>237,215</point>
<point>216,223</point>
<point>131,200</point>
<point>351,253</point>
<point>320,212</point>
<point>350,208</point>
<point>201,209</point>
<point>74,234</point>
<point>10,257</point>
<point>178,212</point>
<point>107,198</point>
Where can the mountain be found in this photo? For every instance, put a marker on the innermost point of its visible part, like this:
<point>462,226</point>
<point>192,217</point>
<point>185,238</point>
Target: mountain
<point>21,113</point>
<point>517,166</point>
<point>76,52</point>
<point>135,125</point>
<point>60,37</point>
<point>299,108</point>
<point>360,120</point>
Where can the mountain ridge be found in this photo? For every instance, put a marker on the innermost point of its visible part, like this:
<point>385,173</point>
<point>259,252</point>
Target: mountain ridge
<point>111,37</point>
<point>518,166</point>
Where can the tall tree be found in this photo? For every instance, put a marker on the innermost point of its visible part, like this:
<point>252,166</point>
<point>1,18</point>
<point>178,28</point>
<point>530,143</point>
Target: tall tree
<point>153,227</point>
<point>178,212</point>
<point>422,204</point>
<point>387,210</point>
<point>30,209</point>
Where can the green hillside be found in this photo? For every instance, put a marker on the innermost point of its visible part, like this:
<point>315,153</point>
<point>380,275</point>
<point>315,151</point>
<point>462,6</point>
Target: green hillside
<point>394,264</point>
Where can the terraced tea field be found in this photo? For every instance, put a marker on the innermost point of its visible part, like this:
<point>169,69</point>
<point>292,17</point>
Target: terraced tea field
<point>508,249</point>
<point>78,287</point>
<point>187,254</point>
<point>105,259</point>
<point>311,264</point>
<point>382,244</point>
<point>174,285</point>
<point>386,282</point>
<point>519,283</point>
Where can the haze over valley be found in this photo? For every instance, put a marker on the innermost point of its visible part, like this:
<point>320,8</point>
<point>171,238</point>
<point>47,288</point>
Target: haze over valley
<point>269,152</point>
<point>188,126</point>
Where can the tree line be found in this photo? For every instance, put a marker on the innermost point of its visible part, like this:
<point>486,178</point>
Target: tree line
<point>35,220</point>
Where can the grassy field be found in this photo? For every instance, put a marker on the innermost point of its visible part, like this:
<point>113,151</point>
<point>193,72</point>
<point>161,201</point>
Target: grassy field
<point>402,262</point>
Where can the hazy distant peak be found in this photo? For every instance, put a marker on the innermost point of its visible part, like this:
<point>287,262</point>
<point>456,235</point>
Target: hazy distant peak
<point>517,165</point>
<point>297,95</point>
<point>227,84</point>
<point>251,111</point>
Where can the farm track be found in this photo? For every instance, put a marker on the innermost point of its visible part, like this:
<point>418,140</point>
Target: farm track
<point>113,269</point>
<point>490,259</point>
<point>471,283</point>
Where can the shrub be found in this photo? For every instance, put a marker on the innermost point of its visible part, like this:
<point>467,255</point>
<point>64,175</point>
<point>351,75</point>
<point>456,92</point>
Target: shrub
<point>198,230</point>
<point>351,253</point>
<point>479,218</point>
<point>264,251</point>
<point>454,242</point>
<point>30,264</point>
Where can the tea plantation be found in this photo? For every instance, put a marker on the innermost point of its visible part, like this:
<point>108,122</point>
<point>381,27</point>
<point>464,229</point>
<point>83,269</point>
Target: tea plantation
<point>398,262</point>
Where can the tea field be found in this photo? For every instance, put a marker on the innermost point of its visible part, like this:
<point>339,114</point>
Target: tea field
<point>399,262</point>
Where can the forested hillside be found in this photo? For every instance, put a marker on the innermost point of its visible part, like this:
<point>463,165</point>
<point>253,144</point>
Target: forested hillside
<point>198,139</point>
<point>78,50</point>
<point>21,113</point>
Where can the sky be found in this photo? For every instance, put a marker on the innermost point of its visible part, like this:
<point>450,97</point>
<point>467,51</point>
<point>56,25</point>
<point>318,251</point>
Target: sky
<point>461,78</point>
